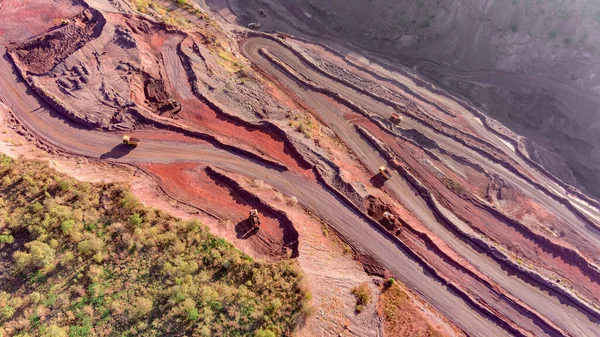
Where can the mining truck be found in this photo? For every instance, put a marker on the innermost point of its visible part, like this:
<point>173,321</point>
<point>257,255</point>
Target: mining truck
<point>254,219</point>
<point>385,173</point>
<point>131,141</point>
<point>395,118</point>
<point>281,36</point>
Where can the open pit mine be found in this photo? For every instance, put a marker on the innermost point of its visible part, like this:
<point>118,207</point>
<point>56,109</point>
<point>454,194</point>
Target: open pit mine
<point>283,140</point>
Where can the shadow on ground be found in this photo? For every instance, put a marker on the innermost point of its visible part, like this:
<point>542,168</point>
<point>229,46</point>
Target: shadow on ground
<point>117,152</point>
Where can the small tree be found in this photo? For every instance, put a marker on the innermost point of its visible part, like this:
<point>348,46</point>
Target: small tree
<point>39,255</point>
<point>55,331</point>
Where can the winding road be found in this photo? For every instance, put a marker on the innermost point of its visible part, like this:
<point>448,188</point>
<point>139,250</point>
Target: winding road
<point>568,317</point>
<point>50,127</point>
<point>53,129</point>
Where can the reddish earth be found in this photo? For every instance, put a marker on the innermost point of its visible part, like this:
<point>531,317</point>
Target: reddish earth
<point>191,78</point>
<point>199,115</point>
<point>192,184</point>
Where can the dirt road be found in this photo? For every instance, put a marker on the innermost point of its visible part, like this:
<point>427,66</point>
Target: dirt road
<point>52,128</point>
<point>543,301</point>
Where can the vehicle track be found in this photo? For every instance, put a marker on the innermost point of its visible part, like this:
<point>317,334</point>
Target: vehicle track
<point>546,303</point>
<point>53,129</point>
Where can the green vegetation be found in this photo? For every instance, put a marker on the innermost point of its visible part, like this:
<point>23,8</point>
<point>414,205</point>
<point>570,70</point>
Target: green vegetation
<point>363,295</point>
<point>455,186</point>
<point>89,260</point>
<point>304,125</point>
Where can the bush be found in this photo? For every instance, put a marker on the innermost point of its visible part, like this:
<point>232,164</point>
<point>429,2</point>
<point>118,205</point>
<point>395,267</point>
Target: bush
<point>264,333</point>
<point>7,312</point>
<point>363,294</point>
<point>142,306</point>
<point>6,238</point>
<point>40,255</point>
<point>54,331</point>
<point>135,220</point>
<point>90,246</point>
<point>192,314</point>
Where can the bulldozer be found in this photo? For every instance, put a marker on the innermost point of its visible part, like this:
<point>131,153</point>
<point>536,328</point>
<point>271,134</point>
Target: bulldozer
<point>384,172</point>
<point>131,141</point>
<point>254,220</point>
<point>395,118</point>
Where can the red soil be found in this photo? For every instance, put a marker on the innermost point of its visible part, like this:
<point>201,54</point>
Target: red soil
<point>197,113</point>
<point>190,183</point>
<point>515,239</point>
<point>22,19</point>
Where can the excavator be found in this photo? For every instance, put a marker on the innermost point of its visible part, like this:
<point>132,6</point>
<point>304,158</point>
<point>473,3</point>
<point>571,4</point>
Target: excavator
<point>131,141</point>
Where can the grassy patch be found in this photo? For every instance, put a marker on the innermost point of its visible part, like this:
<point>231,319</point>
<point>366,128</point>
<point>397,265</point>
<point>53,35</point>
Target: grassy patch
<point>90,260</point>
<point>363,295</point>
<point>401,318</point>
<point>304,125</point>
<point>455,186</point>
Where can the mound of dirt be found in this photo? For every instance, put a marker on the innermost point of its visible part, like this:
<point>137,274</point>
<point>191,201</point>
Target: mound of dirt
<point>381,212</point>
<point>42,54</point>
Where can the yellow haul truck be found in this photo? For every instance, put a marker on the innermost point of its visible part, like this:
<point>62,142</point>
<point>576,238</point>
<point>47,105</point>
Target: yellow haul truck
<point>131,141</point>
<point>385,173</point>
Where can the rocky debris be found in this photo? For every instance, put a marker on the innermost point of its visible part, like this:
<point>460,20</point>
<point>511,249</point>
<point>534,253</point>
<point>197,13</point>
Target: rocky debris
<point>41,54</point>
<point>381,212</point>
<point>124,37</point>
<point>254,25</point>
<point>371,266</point>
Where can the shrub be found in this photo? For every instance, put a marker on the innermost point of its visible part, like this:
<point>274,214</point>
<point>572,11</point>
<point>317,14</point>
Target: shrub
<point>6,238</point>
<point>135,220</point>
<point>55,331</point>
<point>7,312</point>
<point>40,255</point>
<point>90,246</point>
<point>363,294</point>
<point>142,306</point>
<point>192,314</point>
<point>264,333</point>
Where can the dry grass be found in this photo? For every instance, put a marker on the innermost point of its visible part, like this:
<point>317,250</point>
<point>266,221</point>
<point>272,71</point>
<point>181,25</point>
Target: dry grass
<point>400,316</point>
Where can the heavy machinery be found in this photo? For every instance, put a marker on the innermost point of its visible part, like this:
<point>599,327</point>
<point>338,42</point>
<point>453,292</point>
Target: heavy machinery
<point>395,118</point>
<point>131,141</point>
<point>384,172</point>
<point>254,220</point>
<point>389,219</point>
<point>281,36</point>
<point>395,163</point>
